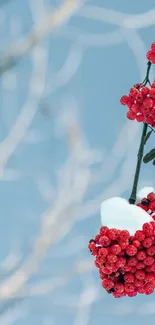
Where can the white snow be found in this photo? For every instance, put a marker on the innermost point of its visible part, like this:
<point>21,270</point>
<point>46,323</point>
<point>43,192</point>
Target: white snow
<point>118,213</point>
<point>143,192</point>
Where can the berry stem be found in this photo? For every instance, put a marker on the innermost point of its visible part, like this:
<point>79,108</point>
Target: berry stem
<point>147,80</point>
<point>132,198</point>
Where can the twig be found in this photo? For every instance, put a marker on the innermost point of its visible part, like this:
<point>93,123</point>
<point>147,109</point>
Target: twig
<point>132,198</point>
<point>49,23</point>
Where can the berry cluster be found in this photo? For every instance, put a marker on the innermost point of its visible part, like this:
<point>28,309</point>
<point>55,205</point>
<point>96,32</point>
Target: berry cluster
<point>126,263</point>
<point>151,54</point>
<point>148,204</point>
<point>141,103</point>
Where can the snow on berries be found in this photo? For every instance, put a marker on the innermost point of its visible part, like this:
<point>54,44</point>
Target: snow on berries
<point>125,261</point>
<point>117,214</point>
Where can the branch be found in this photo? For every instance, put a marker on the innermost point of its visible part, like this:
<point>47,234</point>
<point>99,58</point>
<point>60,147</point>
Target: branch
<point>132,198</point>
<point>50,22</point>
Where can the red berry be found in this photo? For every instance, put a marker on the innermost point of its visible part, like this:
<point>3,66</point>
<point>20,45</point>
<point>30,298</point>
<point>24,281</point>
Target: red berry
<point>104,241</point>
<point>153,85</point>
<point>141,255</point>
<point>145,90</point>
<point>114,277</point>
<point>113,233</point>
<point>142,206</point>
<point>149,120</point>
<point>125,269</point>
<point>138,283</point>
<point>131,115</point>
<point>152,222</point>
<point>147,242</point>
<point>141,290</point>
<point>105,270</point>
<point>125,100</point>
<point>152,93</point>
<point>151,251</point>
<point>123,244</point>
<point>132,261</point>
<point>103,251</point>
<point>114,268</point>
<point>140,266</point>
<point>124,235</point>
<point>133,92</point>
<point>107,284</point>
<point>139,97</point>
<point>131,250</point>
<point>119,287</point>
<point>152,206</point>
<point>139,205</point>
<point>118,295</point>
<point>91,244</point>
<point>151,196</point>
<point>150,277</point>
<point>112,258</point>
<point>121,262</point>
<point>102,275</point>
<point>94,251</point>
<point>129,277</point>
<point>149,288</point>
<point>97,264</point>
<point>148,103</point>
<point>129,287</point>
<point>140,117</point>
<point>151,56</point>
<point>140,275</point>
<point>139,235</point>
<point>104,230</point>
<point>115,249</point>
<point>134,108</point>
<point>153,47</point>
<point>136,243</point>
<point>97,237</point>
<point>149,260</point>
<point>152,268</point>
<point>148,269</point>
<point>133,269</point>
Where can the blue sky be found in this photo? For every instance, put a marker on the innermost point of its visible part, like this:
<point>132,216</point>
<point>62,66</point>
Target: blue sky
<point>83,68</point>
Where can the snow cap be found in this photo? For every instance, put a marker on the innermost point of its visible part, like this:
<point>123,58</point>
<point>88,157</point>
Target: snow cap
<point>118,213</point>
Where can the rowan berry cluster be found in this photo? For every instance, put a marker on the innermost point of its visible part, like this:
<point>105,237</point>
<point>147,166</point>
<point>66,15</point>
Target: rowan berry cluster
<point>126,263</point>
<point>151,54</point>
<point>141,104</point>
<point>141,99</point>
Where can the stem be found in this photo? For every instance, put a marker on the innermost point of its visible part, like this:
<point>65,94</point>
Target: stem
<point>132,198</point>
<point>152,129</point>
<point>133,195</point>
<point>146,80</point>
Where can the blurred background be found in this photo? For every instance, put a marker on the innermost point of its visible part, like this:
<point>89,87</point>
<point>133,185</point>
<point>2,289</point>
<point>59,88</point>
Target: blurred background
<point>65,146</point>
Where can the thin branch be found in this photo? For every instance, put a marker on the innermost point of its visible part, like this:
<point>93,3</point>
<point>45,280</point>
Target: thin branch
<point>132,198</point>
<point>50,22</point>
